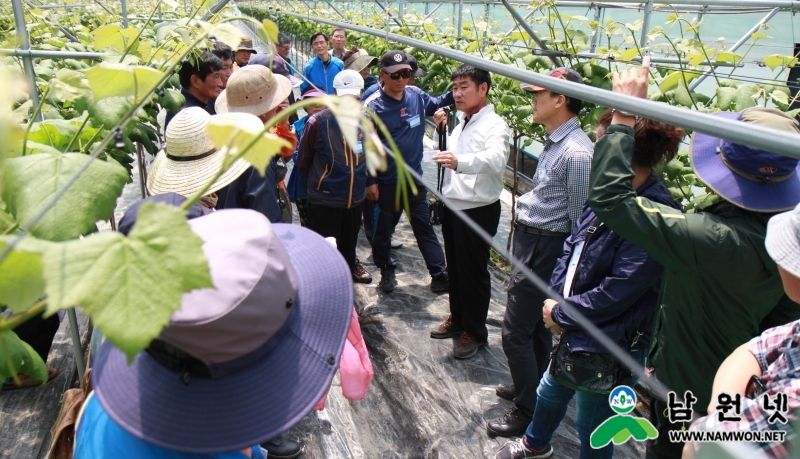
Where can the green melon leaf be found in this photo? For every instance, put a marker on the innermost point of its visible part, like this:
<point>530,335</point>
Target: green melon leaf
<point>112,36</point>
<point>110,80</point>
<point>472,46</point>
<point>21,281</point>
<point>743,98</point>
<point>33,180</point>
<point>59,133</point>
<point>122,282</point>
<point>226,133</point>
<point>776,60</point>
<point>172,101</point>
<point>272,30</point>
<point>17,356</point>
<point>725,96</point>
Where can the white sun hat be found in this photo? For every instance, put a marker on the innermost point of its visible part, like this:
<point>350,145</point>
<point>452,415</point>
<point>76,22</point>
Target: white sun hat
<point>783,240</point>
<point>189,159</point>
<point>253,89</point>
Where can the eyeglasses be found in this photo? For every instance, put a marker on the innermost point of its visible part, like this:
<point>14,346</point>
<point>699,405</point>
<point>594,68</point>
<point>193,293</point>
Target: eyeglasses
<point>405,74</point>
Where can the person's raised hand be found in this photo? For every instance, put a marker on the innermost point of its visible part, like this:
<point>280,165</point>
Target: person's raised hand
<point>440,117</point>
<point>633,81</point>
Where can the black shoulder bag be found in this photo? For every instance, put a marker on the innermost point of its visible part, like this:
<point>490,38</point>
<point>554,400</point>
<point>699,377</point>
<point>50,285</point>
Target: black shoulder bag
<point>592,372</point>
<point>435,206</point>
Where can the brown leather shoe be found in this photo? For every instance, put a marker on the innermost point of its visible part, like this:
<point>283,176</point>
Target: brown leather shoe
<point>511,424</point>
<point>505,391</point>
<point>360,274</point>
<point>446,329</point>
<point>467,346</point>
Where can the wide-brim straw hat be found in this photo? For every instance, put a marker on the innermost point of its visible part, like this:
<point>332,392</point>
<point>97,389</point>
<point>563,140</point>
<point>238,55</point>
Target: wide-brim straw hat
<point>253,89</point>
<point>190,160</point>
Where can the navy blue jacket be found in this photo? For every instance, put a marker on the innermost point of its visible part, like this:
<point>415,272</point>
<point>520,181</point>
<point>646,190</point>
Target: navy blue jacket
<point>190,101</point>
<point>616,283</point>
<point>405,120</point>
<point>336,172</point>
<point>252,191</point>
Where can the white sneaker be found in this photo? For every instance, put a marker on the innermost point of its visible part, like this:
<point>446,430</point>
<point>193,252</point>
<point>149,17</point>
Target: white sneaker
<point>396,244</point>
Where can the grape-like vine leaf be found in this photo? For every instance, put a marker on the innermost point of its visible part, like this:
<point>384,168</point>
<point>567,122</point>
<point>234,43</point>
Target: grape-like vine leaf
<point>110,80</point>
<point>32,181</point>
<point>130,286</point>
<point>236,137</point>
<point>21,281</point>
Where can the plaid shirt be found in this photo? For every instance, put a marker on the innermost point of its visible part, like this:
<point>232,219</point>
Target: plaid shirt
<point>561,181</point>
<point>778,353</point>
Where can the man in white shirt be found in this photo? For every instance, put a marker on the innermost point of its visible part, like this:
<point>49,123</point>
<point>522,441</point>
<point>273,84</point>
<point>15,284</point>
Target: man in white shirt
<point>473,180</point>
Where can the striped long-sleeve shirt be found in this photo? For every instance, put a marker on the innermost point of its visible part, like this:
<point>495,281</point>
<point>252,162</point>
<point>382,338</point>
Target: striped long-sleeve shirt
<point>561,181</point>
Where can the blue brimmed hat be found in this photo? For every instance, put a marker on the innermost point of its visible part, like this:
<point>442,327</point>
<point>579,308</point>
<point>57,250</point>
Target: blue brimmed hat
<point>243,362</point>
<point>750,178</point>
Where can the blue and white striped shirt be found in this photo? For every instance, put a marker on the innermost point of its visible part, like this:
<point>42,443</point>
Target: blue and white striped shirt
<point>561,181</point>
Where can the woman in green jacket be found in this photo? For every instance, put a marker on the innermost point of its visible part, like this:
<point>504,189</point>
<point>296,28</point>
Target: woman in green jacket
<point>720,287</point>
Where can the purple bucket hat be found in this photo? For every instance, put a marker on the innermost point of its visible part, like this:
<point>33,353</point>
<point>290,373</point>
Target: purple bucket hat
<point>752,179</point>
<point>279,66</point>
<point>242,363</point>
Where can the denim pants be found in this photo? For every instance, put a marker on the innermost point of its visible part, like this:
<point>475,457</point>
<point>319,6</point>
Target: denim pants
<point>551,407</point>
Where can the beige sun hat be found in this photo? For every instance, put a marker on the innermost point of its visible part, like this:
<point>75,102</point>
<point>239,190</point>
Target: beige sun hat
<point>253,89</point>
<point>360,60</point>
<point>189,159</point>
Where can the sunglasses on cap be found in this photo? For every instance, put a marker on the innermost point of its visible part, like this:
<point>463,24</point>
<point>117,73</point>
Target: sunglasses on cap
<point>405,74</point>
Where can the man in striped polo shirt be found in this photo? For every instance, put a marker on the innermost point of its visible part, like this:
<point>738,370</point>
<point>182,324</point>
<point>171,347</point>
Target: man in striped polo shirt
<point>546,215</point>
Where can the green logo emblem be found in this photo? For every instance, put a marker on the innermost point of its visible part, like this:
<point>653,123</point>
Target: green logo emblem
<point>623,426</point>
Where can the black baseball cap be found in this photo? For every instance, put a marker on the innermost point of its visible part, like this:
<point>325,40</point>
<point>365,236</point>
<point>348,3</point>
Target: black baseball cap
<point>394,61</point>
<point>415,69</point>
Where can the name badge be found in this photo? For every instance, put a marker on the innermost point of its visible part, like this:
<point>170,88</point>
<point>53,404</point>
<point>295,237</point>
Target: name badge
<point>414,121</point>
<point>359,148</point>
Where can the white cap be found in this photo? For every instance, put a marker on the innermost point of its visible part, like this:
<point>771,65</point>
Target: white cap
<point>783,240</point>
<point>348,82</point>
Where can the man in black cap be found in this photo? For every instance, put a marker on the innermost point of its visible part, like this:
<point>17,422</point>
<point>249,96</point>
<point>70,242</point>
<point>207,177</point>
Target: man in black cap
<point>403,109</point>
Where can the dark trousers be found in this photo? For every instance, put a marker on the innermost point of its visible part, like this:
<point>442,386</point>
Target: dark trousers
<point>468,267</point>
<point>420,223</point>
<point>661,447</point>
<point>342,224</point>
<point>39,332</point>
<point>526,341</point>
<point>371,209</point>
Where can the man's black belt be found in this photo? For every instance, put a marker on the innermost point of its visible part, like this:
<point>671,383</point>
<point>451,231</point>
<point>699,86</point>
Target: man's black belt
<point>531,230</point>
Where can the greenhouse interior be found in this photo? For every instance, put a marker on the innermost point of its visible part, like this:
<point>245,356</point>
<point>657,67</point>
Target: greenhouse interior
<point>368,177</point>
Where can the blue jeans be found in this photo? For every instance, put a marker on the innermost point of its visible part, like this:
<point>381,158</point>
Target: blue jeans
<point>551,407</point>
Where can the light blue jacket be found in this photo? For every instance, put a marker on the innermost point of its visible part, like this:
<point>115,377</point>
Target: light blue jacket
<point>321,75</point>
